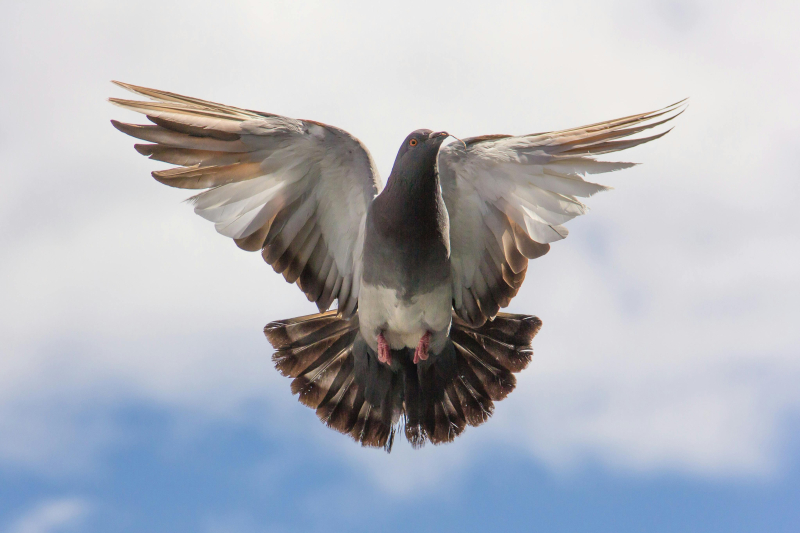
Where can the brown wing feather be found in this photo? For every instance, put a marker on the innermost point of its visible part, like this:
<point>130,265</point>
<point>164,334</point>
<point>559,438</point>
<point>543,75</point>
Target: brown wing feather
<point>522,189</point>
<point>218,146</point>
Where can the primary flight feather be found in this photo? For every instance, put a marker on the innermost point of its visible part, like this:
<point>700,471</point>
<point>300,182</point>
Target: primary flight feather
<point>419,269</point>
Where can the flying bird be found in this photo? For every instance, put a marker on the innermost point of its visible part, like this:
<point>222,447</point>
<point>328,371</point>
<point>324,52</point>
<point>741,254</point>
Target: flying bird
<point>419,268</point>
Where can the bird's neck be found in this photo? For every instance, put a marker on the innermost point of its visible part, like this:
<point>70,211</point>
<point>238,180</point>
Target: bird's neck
<point>412,201</point>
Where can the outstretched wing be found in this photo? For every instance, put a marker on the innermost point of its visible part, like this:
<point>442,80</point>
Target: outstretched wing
<point>297,190</point>
<point>508,197</point>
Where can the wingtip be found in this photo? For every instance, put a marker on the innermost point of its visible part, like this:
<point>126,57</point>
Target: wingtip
<point>679,102</point>
<point>119,102</point>
<point>676,109</point>
<point>128,86</point>
<point>136,89</point>
<point>676,105</point>
<point>679,113</point>
<point>124,127</point>
<point>144,149</point>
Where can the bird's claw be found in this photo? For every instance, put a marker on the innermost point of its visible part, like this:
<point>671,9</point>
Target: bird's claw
<point>421,353</point>
<point>384,353</point>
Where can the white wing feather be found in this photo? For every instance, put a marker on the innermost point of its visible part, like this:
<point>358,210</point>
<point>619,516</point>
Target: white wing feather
<point>298,189</point>
<point>513,194</point>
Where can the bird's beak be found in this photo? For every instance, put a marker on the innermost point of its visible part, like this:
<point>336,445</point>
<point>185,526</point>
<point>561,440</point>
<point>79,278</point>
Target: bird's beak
<point>442,135</point>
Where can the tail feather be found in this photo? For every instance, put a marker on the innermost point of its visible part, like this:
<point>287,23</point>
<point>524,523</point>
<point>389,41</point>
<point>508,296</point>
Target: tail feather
<point>455,409</point>
<point>340,412</point>
<point>292,363</point>
<point>297,333</point>
<point>516,330</point>
<point>339,376</point>
<point>476,401</point>
<point>496,379</point>
<point>317,381</point>
<point>339,386</point>
<point>511,357</point>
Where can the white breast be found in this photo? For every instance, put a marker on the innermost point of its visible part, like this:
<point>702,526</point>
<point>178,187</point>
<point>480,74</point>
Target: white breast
<point>403,322</point>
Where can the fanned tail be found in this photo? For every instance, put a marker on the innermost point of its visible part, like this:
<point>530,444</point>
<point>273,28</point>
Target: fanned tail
<point>318,352</point>
<point>339,376</point>
<point>459,388</point>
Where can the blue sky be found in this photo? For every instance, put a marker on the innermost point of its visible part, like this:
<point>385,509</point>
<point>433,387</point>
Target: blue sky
<point>136,388</point>
<point>233,478</point>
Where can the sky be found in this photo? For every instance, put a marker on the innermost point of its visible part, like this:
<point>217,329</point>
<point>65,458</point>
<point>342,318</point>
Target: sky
<point>136,388</point>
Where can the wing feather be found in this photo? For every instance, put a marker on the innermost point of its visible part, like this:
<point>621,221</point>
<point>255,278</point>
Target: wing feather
<point>296,189</point>
<point>508,198</point>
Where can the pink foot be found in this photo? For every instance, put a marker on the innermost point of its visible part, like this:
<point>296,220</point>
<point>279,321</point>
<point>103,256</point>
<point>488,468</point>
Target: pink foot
<point>421,353</point>
<point>384,354</point>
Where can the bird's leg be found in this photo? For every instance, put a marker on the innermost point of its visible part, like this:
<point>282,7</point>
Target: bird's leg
<point>421,353</point>
<point>384,353</point>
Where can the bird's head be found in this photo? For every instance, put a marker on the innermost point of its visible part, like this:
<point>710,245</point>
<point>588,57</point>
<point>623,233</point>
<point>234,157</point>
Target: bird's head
<point>417,154</point>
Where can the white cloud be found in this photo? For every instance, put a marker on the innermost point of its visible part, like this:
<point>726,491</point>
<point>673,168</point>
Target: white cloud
<point>669,337</point>
<point>52,516</point>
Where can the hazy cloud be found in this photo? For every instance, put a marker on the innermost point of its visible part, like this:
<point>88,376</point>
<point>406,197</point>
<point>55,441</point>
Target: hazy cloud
<point>669,339</point>
<point>52,516</point>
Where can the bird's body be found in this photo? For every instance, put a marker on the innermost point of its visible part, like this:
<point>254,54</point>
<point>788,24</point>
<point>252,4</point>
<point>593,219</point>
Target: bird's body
<point>419,269</point>
<point>406,290</point>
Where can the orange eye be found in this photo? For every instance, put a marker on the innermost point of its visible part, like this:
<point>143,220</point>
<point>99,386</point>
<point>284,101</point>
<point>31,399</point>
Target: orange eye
<point>412,142</point>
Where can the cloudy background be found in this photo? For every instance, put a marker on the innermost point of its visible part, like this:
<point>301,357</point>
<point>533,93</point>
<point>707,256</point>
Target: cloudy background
<point>136,389</point>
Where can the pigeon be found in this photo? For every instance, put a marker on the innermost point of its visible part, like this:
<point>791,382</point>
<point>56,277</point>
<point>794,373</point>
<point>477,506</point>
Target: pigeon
<point>419,269</point>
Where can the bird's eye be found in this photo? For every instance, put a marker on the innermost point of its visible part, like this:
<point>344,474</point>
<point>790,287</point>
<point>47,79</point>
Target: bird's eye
<point>412,142</point>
